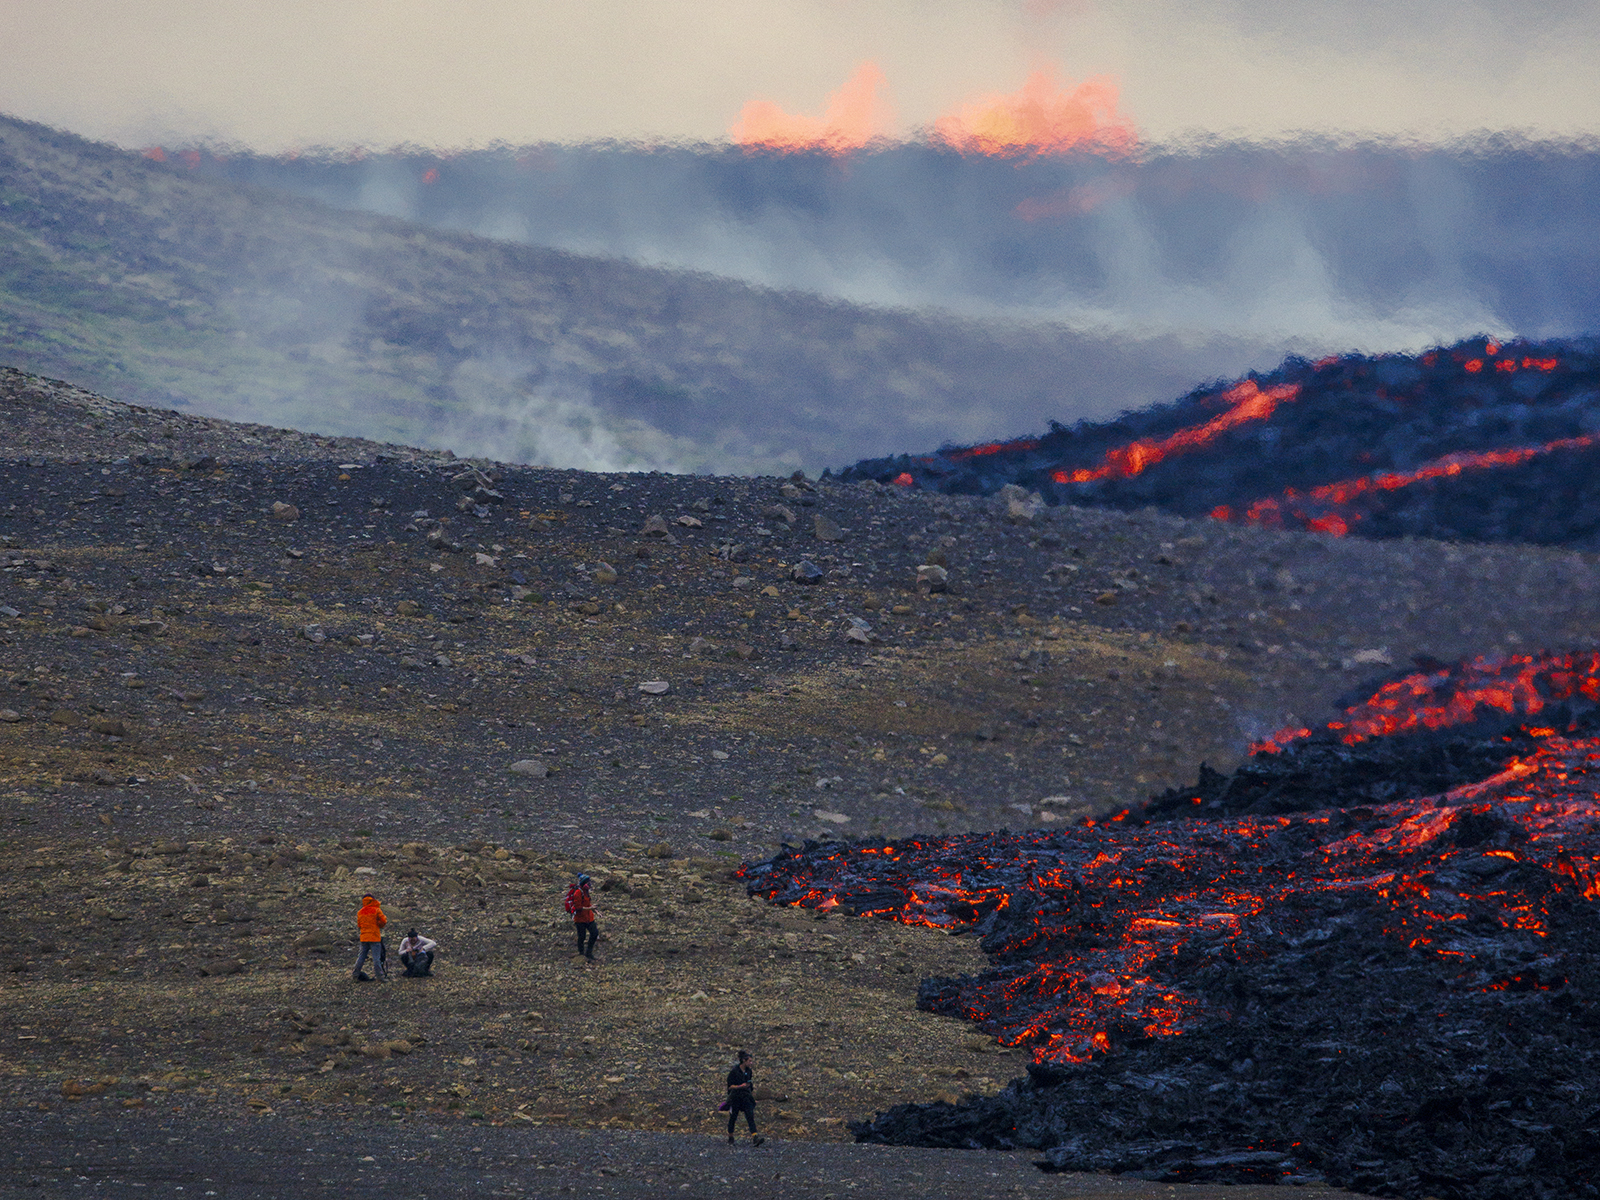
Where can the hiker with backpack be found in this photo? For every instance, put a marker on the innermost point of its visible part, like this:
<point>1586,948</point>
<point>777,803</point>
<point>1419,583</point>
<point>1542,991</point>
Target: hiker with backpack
<point>581,905</point>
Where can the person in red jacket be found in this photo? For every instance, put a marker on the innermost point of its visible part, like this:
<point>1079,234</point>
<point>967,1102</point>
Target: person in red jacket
<point>370,921</point>
<point>581,905</point>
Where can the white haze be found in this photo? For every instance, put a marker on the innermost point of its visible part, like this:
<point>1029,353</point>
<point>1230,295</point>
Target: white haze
<point>500,416</point>
<point>1197,264</point>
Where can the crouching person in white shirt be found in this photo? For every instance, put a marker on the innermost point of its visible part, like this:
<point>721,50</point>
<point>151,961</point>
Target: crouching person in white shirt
<point>416,954</point>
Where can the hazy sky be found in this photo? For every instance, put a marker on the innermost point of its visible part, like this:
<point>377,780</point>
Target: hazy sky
<point>283,73</point>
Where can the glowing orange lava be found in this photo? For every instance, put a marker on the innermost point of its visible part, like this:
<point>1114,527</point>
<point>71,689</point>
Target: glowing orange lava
<point>1089,927</point>
<point>1327,509</point>
<point>1018,446</point>
<point>1521,684</point>
<point>1246,401</point>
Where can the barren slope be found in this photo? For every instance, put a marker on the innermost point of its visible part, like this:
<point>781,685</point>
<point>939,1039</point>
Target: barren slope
<point>221,726</point>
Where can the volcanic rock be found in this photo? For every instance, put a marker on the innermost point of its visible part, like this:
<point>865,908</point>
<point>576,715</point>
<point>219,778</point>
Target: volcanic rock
<point>826,529</point>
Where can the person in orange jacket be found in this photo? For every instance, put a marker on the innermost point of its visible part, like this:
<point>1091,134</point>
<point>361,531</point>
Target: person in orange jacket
<point>581,905</point>
<point>370,921</point>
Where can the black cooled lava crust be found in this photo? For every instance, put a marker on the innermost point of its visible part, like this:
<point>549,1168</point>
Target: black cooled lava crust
<point>1353,418</point>
<point>1336,1046</point>
<point>1347,1058</point>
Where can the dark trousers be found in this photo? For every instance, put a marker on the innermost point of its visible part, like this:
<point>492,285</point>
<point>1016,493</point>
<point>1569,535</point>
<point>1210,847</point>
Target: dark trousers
<point>418,964</point>
<point>741,1102</point>
<point>590,930</point>
<point>376,950</point>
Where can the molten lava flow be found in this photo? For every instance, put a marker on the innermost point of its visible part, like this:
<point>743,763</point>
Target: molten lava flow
<point>1247,402</point>
<point>855,117</point>
<point>1092,929</point>
<point>1521,685</point>
<point>1018,446</point>
<point>1327,509</point>
<point>1043,117</point>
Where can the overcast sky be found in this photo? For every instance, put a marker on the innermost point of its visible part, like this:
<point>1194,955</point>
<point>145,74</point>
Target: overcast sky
<point>278,74</point>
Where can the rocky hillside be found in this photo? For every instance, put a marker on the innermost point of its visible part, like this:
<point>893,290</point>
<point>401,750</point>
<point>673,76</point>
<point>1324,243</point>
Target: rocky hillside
<point>161,286</point>
<point>246,674</point>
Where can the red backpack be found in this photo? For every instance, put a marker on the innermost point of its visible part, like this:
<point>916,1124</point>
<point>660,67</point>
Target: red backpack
<point>574,898</point>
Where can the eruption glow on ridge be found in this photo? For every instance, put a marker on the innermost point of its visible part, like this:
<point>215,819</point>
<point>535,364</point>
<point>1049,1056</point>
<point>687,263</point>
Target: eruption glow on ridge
<point>854,118</point>
<point>1041,117</point>
<point>1044,116</point>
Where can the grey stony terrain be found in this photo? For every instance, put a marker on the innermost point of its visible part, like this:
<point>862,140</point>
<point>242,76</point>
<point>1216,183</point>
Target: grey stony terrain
<point>246,674</point>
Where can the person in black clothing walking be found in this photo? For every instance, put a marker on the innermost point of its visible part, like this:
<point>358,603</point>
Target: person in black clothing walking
<point>742,1097</point>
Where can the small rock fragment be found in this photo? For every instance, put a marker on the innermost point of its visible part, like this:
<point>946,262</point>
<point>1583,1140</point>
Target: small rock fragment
<point>1021,505</point>
<point>807,572</point>
<point>284,512</point>
<point>655,687</point>
<point>533,768</point>
<point>826,529</point>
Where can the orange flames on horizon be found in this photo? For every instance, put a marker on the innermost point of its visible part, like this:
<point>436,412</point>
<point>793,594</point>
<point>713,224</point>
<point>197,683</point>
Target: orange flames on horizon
<point>1044,116</point>
<point>855,117</point>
